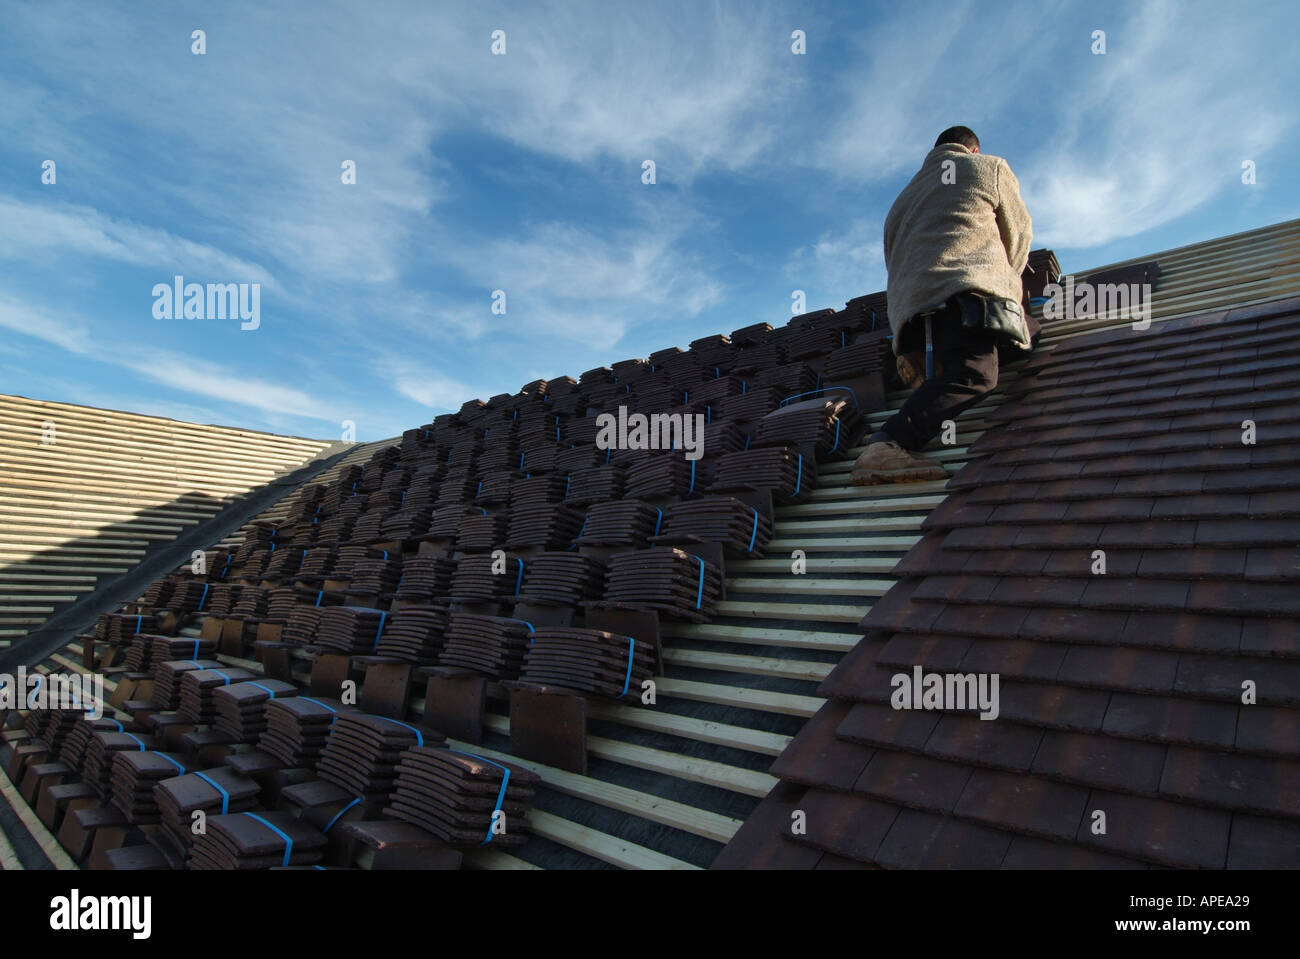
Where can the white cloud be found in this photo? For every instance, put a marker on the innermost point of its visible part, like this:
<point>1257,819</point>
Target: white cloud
<point>840,265</point>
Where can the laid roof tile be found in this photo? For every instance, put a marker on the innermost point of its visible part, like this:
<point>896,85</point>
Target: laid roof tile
<point>1192,564</point>
<point>1250,783</point>
<point>1131,669</point>
<point>1073,625</point>
<point>956,589</point>
<point>1110,592</point>
<point>876,724</point>
<point>1166,533</point>
<point>1273,562</point>
<point>1003,745</point>
<point>1202,506</point>
<point>932,652</point>
<point>1171,720</point>
<point>1029,852</point>
<point>1052,706</point>
<point>999,621</point>
<point>913,780</point>
<point>1077,562</point>
<point>1021,658</point>
<point>1259,599</point>
<point>1167,833</point>
<point>1104,761</point>
<point>1266,729</point>
<point>816,757</point>
<point>1048,590</point>
<point>760,842</point>
<point>1210,634</point>
<point>1275,682</point>
<point>1263,843</point>
<point>926,841</point>
<point>851,826</point>
<point>1022,804</point>
<point>1270,637</point>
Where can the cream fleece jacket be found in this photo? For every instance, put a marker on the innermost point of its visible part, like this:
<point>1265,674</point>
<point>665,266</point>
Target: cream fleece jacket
<point>969,233</point>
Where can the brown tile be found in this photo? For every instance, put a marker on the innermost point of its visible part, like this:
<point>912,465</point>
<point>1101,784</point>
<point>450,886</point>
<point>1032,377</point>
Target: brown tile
<point>913,781</point>
<point>955,589</point>
<point>1273,563</point>
<point>1022,804</point>
<point>996,743</point>
<point>1276,682</point>
<point>1257,599</point>
<point>1138,670</point>
<point>832,861</point>
<point>1205,562</point>
<point>932,652</point>
<point>1079,562</point>
<point>1007,562</point>
<point>1158,484</point>
<point>1189,631</point>
<point>1052,706</point>
<point>925,841</point>
<point>874,724</point>
<point>1171,720</point>
<point>998,621</point>
<point>815,757</point>
<point>955,511</point>
<point>1167,833</point>
<point>986,537</point>
<point>761,841</point>
<point>1112,592</point>
<point>1029,852</point>
<point>1270,637</point>
<point>1268,729</point>
<point>1098,760</point>
<point>1031,512</point>
<point>928,556</point>
<point>846,825</point>
<point>1166,533</point>
<point>1202,506</point>
<point>1038,591</point>
<point>1019,658</point>
<point>896,611</point>
<point>846,675</point>
<point>1073,625</point>
<point>1263,843</point>
<point>1112,509</point>
<point>1240,532</point>
<point>1247,783</point>
<point>1057,536</point>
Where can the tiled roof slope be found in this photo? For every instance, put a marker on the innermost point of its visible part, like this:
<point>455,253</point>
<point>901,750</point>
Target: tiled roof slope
<point>1124,694</point>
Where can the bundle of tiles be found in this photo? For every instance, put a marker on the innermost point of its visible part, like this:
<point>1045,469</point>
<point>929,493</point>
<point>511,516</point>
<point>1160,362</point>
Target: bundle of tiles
<point>298,728</point>
<point>191,596</point>
<point>103,746</point>
<point>494,489</point>
<point>461,459</point>
<point>578,458</point>
<point>120,627</point>
<point>73,750</point>
<point>543,525</point>
<point>35,721</point>
<point>711,391</point>
<point>481,531</point>
<point>560,579</point>
<point>825,424</point>
<point>808,344</point>
<point>477,581</point>
<point>761,356</point>
<point>751,335</point>
<point>132,779</point>
<point>59,726</point>
<point>375,577</point>
<point>596,483</point>
<point>655,395</point>
<point>263,840</point>
<point>335,529</point>
<point>665,475</point>
<point>306,503</point>
<point>790,475</point>
<point>588,660</point>
<point>750,406</point>
<point>223,598</point>
<point>625,522</point>
<point>167,680</point>
<point>582,432</point>
<point>213,792</point>
<point>317,564</point>
<point>869,312</point>
<point>301,624</point>
<point>415,634</point>
<point>446,521</point>
<point>241,708</point>
<point>283,600</point>
<point>537,455</point>
<point>502,452</point>
<point>739,528</point>
<point>197,687</point>
<point>790,379</point>
<point>535,490</point>
<point>362,754</point>
<point>461,798</point>
<point>675,582</point>
<point>251,603</point>
<point>408,522</point>
<point>723,436</point>
<point>867,355</point>
<point>715,350</point>
<point>140,652</point>
<point>350,629</point>
<point>458,486</point>
<point>250,571</point>
<point>158,593</point>
<point>284,564</point>
<point>166,648</point>
<point>425,578</point>
<point>492,645</point>
<point>349,556</point>
<point>367,527</point>
<point>216,564</point>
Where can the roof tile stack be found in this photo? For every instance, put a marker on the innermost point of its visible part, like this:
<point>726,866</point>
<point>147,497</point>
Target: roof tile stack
<point>241,708</point>
<point>262,840</point>
<point>214,792</point>
<point>298,728</point>
<point>588,660</point>
<point>677,583</point>
<point>492,645</point>
<point>463,799</point>
<point>362,753</point>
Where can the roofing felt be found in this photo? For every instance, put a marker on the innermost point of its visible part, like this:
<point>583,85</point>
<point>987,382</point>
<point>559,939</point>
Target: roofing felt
<point>1123,556</point>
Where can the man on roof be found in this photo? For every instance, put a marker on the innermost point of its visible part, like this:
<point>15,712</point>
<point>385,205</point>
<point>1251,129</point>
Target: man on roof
<point>956,241</point>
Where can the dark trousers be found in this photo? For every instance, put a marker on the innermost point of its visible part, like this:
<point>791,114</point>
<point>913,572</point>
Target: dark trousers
<point>969,362</point>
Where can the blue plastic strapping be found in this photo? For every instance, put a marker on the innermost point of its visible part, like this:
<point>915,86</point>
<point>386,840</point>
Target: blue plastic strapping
<point>631,648</point>
<point>798,483</point>
<point>288,843</point>
<point>753,534</point>
<point>501,795</point>
<point>699,596</point>
<point>519,580</point>
<point>269,691</point>
<point>419,736</point>
<point>340,813</point>
<point>138,740</point>
<point>172,761</point>
<point>225,796</point>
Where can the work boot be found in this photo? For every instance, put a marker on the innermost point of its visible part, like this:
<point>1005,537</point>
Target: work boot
<point>887,462</point>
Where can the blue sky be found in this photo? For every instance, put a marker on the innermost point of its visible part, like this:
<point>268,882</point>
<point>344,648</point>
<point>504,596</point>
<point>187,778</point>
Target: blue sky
<point>522,172</point>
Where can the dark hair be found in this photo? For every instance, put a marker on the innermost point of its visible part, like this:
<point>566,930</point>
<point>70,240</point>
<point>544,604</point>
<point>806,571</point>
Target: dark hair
<point>963,135</point>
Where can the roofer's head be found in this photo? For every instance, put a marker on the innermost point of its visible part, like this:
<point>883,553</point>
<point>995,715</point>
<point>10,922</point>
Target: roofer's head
<point>963,135</point>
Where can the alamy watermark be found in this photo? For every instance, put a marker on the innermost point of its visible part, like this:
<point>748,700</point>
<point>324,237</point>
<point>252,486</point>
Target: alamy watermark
<point>1121,301</point>
<point>25,690</point>
<point>212,301</point>
<point>947,691</point>
<point>656,431</point>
